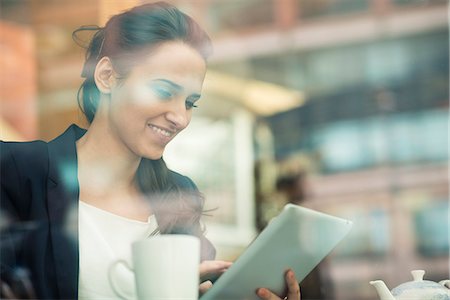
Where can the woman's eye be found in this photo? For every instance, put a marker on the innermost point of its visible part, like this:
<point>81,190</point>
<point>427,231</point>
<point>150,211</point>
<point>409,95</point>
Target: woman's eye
<point>190,105</point>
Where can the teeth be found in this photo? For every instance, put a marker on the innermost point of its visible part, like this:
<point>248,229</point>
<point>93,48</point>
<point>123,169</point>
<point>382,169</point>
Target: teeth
<point>161,131</point>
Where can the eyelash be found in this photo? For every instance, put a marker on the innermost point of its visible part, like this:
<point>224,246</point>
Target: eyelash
<point>164,94</point>
<point>190,105</point>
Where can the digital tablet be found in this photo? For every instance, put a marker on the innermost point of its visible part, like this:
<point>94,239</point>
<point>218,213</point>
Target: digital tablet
<point>298,238</point>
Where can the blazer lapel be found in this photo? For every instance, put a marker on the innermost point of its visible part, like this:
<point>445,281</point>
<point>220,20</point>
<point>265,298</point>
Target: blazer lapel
<point>62,201</point>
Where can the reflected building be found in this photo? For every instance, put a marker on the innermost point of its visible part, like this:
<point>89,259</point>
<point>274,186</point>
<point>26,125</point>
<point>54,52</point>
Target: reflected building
<point>371,133</point>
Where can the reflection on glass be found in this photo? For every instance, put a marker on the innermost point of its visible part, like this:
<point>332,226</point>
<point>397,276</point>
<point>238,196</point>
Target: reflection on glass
<point>205,152</point>
<point>432,231</point>
<point>418,2</point>
<point>317,8</point>
<point>238,14</point>
<point>397,139</point>
<point>369,236</point>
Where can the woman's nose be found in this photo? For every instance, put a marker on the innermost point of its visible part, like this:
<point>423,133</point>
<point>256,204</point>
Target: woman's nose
<point>178,115</point>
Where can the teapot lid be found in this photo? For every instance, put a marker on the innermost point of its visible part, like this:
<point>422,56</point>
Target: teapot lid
<point>417,283</point>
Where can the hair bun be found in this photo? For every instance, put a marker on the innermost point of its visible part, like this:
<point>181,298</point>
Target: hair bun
<point>84,43</point>
<point>90,43</point>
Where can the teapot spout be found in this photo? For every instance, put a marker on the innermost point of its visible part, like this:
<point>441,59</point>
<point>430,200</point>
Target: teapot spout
<point>382,290</point>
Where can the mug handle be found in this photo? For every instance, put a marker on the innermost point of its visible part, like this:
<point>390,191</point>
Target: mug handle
<point>117,291</point>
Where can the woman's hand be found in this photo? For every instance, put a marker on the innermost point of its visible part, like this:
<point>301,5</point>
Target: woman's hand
<point>293,290</point>
<point>211,269</point>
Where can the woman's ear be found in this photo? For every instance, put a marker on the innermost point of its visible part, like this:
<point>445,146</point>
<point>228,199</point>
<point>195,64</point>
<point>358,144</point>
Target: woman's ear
<point>104,75</point>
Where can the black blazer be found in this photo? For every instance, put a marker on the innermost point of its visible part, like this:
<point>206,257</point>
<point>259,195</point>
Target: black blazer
<point>39,213</point>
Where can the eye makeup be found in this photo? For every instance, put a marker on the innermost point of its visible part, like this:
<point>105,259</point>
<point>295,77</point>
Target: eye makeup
<point>166,90</point>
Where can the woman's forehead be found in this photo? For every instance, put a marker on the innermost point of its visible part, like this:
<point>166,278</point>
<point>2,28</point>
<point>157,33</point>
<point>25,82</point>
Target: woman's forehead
<point>174,61</point>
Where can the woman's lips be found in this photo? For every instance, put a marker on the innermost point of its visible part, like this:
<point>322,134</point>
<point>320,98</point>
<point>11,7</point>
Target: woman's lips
<point>164,135</point>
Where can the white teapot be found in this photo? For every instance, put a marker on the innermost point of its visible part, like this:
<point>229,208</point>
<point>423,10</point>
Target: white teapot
<point>418,289</point>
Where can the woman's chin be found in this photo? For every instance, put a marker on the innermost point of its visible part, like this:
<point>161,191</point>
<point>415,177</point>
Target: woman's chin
<point>153,155</point>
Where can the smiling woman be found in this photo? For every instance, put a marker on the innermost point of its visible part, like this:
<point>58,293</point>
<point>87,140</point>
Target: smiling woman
<point>154,102</point>
<point>143,73</point>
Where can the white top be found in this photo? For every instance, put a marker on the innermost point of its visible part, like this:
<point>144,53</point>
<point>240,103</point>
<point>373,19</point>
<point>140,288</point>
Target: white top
<point>104,238</point>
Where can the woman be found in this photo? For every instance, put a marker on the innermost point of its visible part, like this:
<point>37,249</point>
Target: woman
<point>75,204</point>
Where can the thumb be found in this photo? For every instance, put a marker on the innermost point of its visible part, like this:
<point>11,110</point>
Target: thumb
<point>204,286</point>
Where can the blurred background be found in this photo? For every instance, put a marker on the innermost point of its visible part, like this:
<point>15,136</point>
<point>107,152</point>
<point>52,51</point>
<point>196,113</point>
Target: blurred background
<point>336,105</point>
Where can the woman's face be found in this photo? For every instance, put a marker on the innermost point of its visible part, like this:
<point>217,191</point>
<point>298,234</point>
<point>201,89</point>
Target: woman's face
<point>155,101</point>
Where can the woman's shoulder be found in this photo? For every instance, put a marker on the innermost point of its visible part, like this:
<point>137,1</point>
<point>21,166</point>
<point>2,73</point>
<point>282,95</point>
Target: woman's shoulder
<point>23,161</point>
<point>34,155</point>
<point>23,148</point>
<point>30,153</point>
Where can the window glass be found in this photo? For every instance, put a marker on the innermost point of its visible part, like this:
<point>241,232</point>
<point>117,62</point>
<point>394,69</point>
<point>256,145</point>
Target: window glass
<point>238,14</point>
<point>431,227</point>
<point>397,139</point>
<point>417,2</point>
<point>209,147</point>
<point>317,8</point>
<point>384,62</point>
<point>418,137</point>
<point>342,147</point>
<point>369,236</point>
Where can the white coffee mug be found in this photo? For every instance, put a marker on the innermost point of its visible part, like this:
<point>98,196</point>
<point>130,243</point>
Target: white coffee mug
<point>165,267</point>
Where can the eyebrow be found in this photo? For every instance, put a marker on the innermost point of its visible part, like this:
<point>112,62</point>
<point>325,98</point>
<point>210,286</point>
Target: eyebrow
<point>177,86</point>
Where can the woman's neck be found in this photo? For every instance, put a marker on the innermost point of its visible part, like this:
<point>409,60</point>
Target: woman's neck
<point>106,172</point>
<point>105,164</point>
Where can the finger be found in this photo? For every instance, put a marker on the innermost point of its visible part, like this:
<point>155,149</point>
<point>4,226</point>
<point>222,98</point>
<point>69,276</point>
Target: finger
<point>6,292</point>
<point>214,266</point>
<point>292,285</point>
<point>204,286</point>
<point>28,287</point>
<point>265,294</point>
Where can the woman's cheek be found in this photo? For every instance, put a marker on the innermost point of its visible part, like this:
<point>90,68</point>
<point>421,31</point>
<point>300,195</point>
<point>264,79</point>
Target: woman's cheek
<point>142,96</point>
